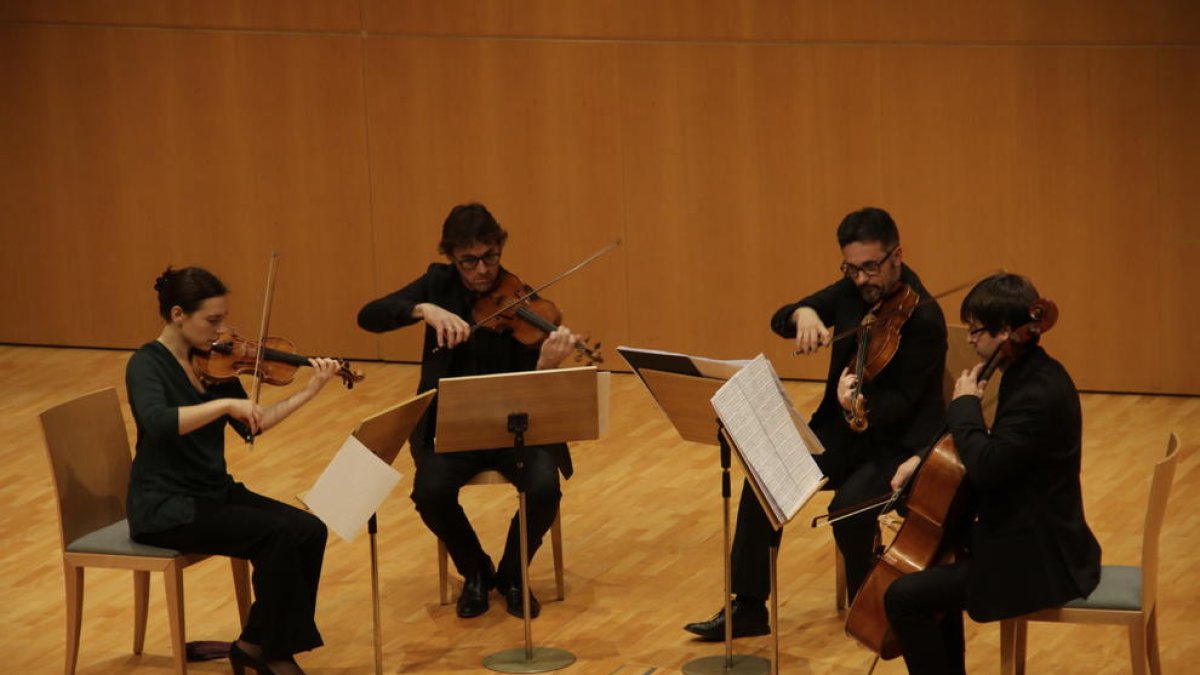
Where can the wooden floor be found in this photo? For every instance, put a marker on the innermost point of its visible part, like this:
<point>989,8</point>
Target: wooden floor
<point>642,537</point>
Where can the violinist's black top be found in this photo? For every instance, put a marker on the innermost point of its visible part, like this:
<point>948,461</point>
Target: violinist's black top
<point>171,470</point>
<point>486,352</point>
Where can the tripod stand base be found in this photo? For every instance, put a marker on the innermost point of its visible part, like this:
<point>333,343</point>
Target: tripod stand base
<point>544,660</point>
<point>716,665</point>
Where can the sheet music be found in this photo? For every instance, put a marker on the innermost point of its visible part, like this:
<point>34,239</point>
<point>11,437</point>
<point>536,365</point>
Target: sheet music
<point>350,489</point>
<point>756,411</point>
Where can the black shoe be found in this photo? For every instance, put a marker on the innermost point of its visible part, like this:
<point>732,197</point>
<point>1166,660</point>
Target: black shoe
<point>749,620</point>
<point>474,598</point>
<point>239,660</point>
<point>512,596</point>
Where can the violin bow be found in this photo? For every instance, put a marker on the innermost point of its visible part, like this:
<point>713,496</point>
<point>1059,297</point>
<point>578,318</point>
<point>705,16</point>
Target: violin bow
<point>262,336</point>
<point>516,301</point>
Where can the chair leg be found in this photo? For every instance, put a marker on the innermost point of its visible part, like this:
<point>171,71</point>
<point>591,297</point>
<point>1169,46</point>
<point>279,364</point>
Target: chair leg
<point>1020,632</point>
<point>1152,642</point>
<point>556,545</point>
<point>1008,628</point>
<point>839,573</point>
<point>241,587</point>
<point>141,602</point>
<point>443,574</point>
<point>1137,647</point>
<point>173,577</point>
<point>74,582</point>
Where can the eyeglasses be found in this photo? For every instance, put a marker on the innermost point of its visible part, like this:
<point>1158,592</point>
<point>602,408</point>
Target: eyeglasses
<point>975,332</point>
<point>470,262</point>
<point>869,268</point>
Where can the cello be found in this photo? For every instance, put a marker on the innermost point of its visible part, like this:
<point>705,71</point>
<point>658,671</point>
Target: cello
<point>938,508</point>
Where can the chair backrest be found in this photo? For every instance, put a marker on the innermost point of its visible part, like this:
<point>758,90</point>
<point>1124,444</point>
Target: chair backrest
<point>89,456</point>
<point>1156,510</point>
<point>961,356</point>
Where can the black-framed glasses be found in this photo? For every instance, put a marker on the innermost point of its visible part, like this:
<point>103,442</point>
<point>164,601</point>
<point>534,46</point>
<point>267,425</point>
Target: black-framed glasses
<point>974,332</point>
<point>470,262</point>
<point>869,268</point>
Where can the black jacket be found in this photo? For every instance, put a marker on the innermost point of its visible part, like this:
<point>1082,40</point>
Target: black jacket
<point>905,405</point>
<point>1031,547</point>
<point>485,353</point>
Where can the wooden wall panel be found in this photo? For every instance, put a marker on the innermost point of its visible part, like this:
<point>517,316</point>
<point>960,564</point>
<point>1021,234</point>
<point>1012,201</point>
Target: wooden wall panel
<point>531,129</point>
<point>133,150</point>
<point>292,15</point>
<point>1021,21</point>
<point>724,141</point>
<point>733,212</point>
<point>1173,285</point>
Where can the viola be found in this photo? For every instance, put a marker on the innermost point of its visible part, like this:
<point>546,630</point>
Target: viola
<point>514,307</point>
<point>231,355</point>
<point>938,507</point>
<point>878,342</point>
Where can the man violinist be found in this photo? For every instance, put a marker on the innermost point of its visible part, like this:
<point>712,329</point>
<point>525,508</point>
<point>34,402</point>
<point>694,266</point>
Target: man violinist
<point>443,299</point>
<point>904,404</point>
<point>1030,547</point>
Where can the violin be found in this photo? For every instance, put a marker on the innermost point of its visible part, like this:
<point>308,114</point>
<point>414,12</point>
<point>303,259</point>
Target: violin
<point>878,341</point>
<point>938,507</point>
<point>515,307</point>
<point>231,355</point>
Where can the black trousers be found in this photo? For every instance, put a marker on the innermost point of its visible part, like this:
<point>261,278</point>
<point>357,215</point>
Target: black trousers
<point>925,610</point>
<point>440,476</point>
<point>285,546</point>
<point>855,536</point>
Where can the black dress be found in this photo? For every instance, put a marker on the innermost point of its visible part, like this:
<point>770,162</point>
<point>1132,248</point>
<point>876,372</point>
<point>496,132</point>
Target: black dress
<point>181,496</point>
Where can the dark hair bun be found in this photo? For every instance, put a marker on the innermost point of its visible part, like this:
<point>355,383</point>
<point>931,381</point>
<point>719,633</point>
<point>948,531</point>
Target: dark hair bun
<point>162,279</point>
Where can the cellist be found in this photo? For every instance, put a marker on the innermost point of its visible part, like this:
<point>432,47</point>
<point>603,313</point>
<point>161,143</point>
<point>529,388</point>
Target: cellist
<point>1030,546</point>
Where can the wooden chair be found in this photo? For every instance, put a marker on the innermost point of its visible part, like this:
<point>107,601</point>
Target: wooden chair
<point>1126,595</point>
<point>960,356</point>
<point>496,478</point>
<point>89,456</point>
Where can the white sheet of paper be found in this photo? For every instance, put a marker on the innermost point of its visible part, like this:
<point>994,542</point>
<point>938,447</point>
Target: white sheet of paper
<point>756,410</point>
<point>351,489</point>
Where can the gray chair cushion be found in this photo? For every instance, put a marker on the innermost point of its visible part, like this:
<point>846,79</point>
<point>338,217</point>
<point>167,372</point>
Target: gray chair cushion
<point>114,539</point>
<point>1120,588</point>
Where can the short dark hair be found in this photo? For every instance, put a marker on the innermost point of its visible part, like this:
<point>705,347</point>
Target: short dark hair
<point>868,224</point>
<point>186,288</point>
<point>998,301</point>
<point>467,224</point>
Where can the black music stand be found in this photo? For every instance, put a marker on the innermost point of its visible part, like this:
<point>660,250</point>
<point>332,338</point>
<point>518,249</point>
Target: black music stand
<point>686,397</point>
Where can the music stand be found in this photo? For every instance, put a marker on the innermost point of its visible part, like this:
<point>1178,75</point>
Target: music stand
<point>686,400</point>
<point>513,409</point>
<point>384,434</point>
<point>775,448</point>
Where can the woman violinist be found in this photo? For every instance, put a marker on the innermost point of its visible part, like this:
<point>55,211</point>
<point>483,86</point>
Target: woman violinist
<point>446,298</point>
<point>1030,547</point>
<point>182,497</point>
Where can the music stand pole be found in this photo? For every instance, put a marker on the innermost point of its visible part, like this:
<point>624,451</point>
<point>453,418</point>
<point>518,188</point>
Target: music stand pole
<point>732,664</point>
<point>775,600</point>
<point>528,659</point>
<point>372,529</point>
